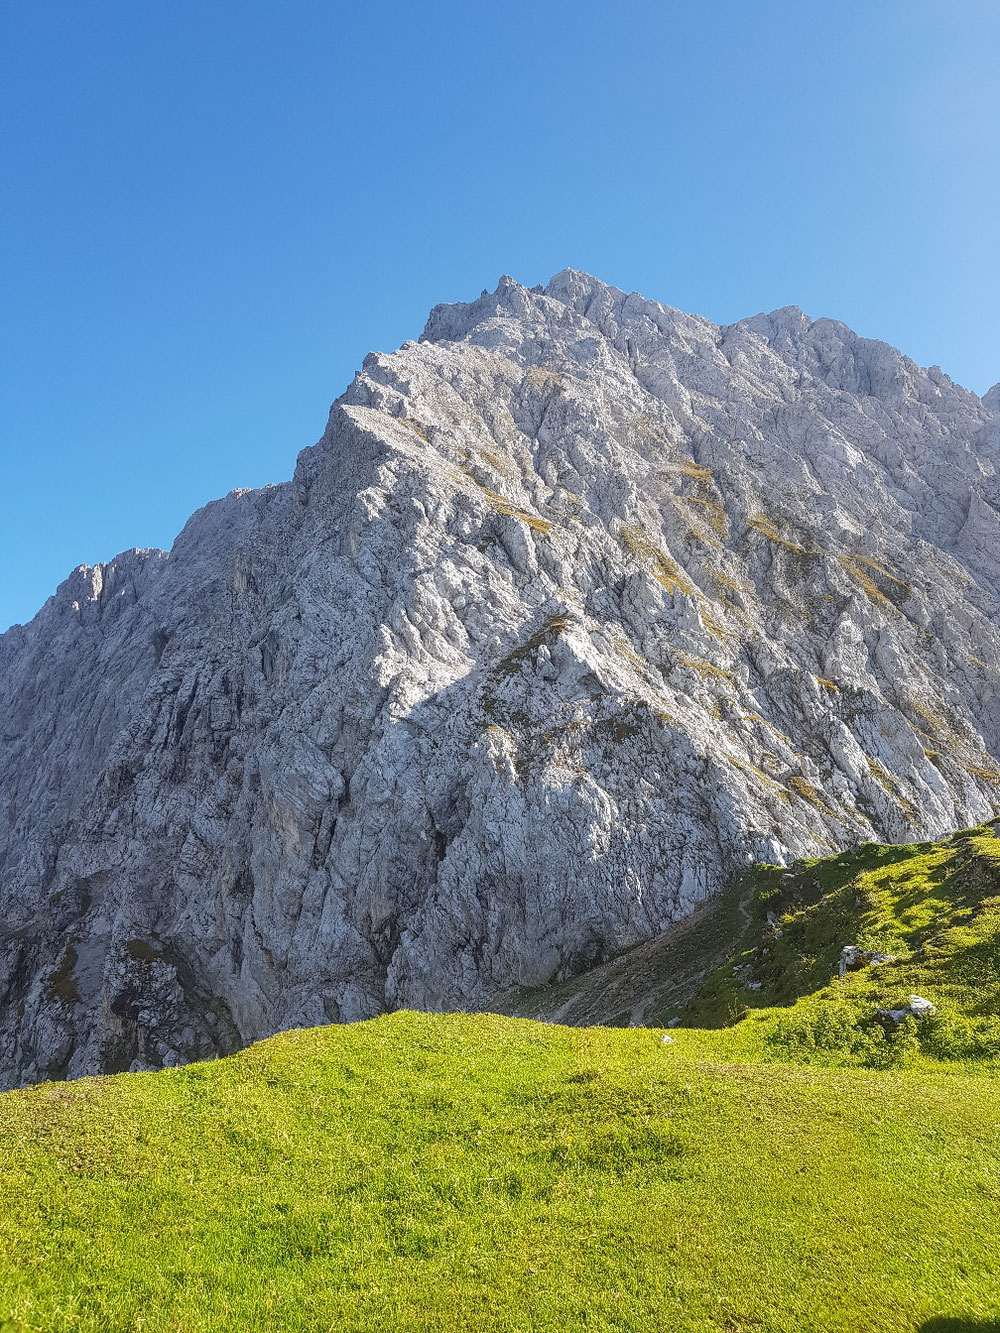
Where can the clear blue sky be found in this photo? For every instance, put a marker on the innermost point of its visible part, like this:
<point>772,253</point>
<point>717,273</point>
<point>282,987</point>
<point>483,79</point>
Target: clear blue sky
<point>212,209</point>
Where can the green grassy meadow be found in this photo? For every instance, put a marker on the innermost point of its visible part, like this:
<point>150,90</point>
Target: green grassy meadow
<point>768,1169</point>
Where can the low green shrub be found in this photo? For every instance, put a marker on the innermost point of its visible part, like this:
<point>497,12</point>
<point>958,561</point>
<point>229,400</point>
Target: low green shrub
<point>954,1037</point>
<point>826,1029</point>
<point>838,1035</point>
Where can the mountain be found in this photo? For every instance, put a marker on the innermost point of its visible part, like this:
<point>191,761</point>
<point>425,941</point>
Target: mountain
<point>580,605</point>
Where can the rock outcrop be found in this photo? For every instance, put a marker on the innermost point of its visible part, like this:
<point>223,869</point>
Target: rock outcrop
<point>853,957</point>
<point>579,605</point>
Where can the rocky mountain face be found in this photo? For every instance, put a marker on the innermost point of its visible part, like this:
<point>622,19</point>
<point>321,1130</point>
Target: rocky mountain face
<point>579,605</point>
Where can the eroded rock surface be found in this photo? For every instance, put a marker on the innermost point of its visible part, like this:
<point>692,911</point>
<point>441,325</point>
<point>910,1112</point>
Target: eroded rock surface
<point>580,604</point>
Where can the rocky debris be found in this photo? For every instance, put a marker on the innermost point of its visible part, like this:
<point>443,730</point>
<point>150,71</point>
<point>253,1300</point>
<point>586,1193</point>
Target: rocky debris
<point>579,605</point>
<point>742,973</point>
<point>852,958</point>
<point>917,1008</point>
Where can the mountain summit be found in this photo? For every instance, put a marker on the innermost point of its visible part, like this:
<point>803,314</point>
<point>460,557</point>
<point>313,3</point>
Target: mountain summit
<point>579,605</point>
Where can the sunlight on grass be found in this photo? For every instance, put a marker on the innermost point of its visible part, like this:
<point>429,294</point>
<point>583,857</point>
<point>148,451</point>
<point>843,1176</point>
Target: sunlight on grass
<point>487,1173</point>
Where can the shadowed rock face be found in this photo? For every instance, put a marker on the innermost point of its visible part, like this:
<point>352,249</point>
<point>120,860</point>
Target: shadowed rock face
<point>579,604</point>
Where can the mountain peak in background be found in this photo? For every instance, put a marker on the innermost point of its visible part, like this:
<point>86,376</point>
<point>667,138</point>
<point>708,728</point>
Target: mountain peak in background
<point>579,605</point>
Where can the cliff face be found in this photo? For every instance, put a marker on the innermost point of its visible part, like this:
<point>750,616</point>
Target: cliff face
<point>579,605</point>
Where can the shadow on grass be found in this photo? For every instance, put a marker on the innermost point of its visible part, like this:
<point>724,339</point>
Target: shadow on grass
<point>947,1324</point>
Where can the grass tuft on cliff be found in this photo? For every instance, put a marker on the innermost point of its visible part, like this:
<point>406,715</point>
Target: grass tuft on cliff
<point>486,1173</point>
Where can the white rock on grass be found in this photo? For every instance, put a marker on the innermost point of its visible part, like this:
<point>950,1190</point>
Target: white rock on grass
<point>917,1008</point>
<point>852,957</point>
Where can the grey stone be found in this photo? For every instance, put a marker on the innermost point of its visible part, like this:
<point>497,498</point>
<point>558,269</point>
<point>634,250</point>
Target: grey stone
<point>917,1008</point>
<point>852,957</point>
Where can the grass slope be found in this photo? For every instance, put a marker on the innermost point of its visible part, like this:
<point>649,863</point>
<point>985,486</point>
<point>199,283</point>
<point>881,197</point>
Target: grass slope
<point>934,907</point>
<point>638,987</point>
<point>489,1173</point>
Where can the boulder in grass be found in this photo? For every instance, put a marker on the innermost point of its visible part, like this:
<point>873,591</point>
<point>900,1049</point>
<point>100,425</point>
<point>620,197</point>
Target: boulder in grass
<point>852,957</point>
<point>917,1008</point>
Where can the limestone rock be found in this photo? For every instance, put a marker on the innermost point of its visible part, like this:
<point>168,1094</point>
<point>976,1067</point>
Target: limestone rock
<point>852,957</point>
<point>579,605</point>
<point>917,1008</point>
